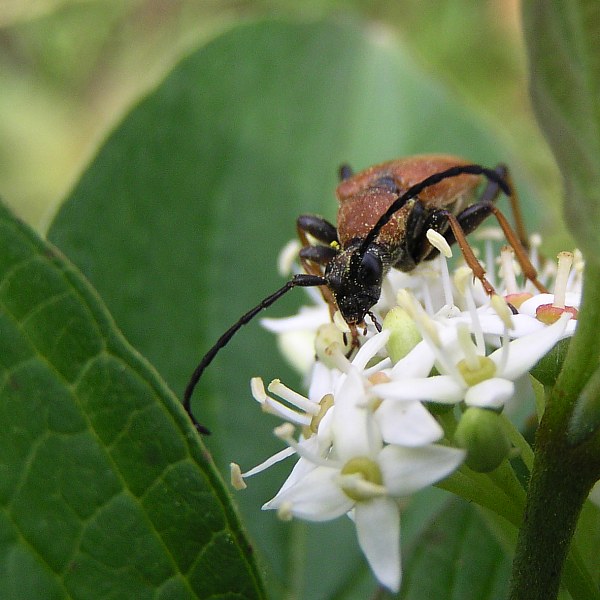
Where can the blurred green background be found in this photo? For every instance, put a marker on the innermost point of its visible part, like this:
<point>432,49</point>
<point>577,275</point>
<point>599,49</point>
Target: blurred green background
<point>70,69</point>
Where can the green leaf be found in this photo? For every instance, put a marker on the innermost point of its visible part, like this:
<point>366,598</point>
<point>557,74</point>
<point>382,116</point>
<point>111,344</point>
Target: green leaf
<point>585,418</point>
<point>104,488</point>
<point>457,558</point>
<point>179,220</point>
<point>563,41</point>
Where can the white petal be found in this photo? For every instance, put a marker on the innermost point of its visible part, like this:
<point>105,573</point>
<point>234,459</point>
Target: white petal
<point>525,352</point>
<point>378,530</point>
<point>417,363</point>
<point>370,348</point>
<point>307,318</point>
<point>530,306</point>
<point>491,393</point>
<point>407,470</point>
<point>315,497</point>
<point>303,466</point>
<point>407,424</point>
<point>439,388</point>
<point>354,430</point>
<point>322,381</point>
<point>523,325</point>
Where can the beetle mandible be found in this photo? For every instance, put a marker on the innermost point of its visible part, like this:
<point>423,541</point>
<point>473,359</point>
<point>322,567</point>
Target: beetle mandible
<point>384,214</point>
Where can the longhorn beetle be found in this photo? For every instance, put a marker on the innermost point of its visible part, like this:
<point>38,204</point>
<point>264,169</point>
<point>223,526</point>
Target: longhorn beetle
<point>384,214</point>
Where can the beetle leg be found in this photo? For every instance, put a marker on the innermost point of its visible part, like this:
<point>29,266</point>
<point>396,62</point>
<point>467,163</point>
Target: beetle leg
<point>313,258</point>
<point>345,172</point>
<point>458,234</point>
<point>491,193</point>
<point>473,215</point>
<point>318,254</point>
<point>318,227</point>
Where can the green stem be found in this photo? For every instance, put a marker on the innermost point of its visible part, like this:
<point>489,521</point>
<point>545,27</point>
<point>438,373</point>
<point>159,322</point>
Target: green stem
<point>562,474</point>
<point>518,441</point>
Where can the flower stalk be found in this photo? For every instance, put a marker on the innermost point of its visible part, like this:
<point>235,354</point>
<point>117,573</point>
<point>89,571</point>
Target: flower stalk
<point>563,474</point>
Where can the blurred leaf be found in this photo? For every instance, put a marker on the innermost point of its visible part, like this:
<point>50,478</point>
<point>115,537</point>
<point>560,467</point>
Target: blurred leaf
<point>563,40</point>
<point>457,558</point>
<point>105,490</point>
<point>585,418</point>
<point>179,220</point>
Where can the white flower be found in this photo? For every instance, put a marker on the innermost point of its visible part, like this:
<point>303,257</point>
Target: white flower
<point>467,373</point>
<point>364,476</point>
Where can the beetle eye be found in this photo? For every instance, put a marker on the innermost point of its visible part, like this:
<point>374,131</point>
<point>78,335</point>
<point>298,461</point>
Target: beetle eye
<point>370,269</point>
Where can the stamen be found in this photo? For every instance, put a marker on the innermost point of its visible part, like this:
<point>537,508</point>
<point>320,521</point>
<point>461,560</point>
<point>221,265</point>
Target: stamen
<point>462,280</point>
<point>466,345</point>
<point>535,241</point>
<point>257,387</point>
<point>328,334</point>
<point>237,480</point>
<point>274,407</point>
<point>507,255</point>
<point>565,260</point>
<point>272,460</point>
<point>285,433</point>
<point>358,489</point>
<point>340,322</point>
<point>335,357</point>
<point>549,313</point>
<point>439,242</point>
<point>361,479</point>
<point>284,512</point>
<point>325,404</point>
<point>294,398</point>
<point>426,326</point>
<point>499,305</point>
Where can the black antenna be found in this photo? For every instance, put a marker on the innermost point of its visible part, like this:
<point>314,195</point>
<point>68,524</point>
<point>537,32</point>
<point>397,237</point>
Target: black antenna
<point>300,280</point>
<point>419,187</point>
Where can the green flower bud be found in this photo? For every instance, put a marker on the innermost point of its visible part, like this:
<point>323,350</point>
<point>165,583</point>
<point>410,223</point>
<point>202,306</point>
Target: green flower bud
<point>481,434</point>
<point>404,333</point>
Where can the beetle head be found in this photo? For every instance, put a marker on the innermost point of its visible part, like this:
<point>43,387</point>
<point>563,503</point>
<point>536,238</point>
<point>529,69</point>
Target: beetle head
<point>355,280</point>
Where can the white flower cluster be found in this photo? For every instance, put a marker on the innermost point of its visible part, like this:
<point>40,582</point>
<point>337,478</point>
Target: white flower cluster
<point>364,435</point>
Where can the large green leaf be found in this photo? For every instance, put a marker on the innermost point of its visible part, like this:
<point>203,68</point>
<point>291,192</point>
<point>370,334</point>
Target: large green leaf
<point>563,41</point>
<point>457,558</point>
<point>179,219</point>
<point>104,488</point>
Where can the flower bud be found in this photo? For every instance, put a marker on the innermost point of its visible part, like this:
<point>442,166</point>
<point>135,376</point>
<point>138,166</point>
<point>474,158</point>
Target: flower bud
<point>481,434</point>
<point>404,334</point>
<point>327,336</point>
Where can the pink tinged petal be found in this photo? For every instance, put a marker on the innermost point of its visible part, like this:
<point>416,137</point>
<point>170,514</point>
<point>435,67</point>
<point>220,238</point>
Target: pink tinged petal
<point>526,351</point>
<point>315,497</point>
<point>407,424</point>
<point>439,388</point>
<point>529,306</point>
<point>491,393</point>
<point>378,530</point>
<point>407,470</point>
<point>417,363</point>
<point>523,325</point>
